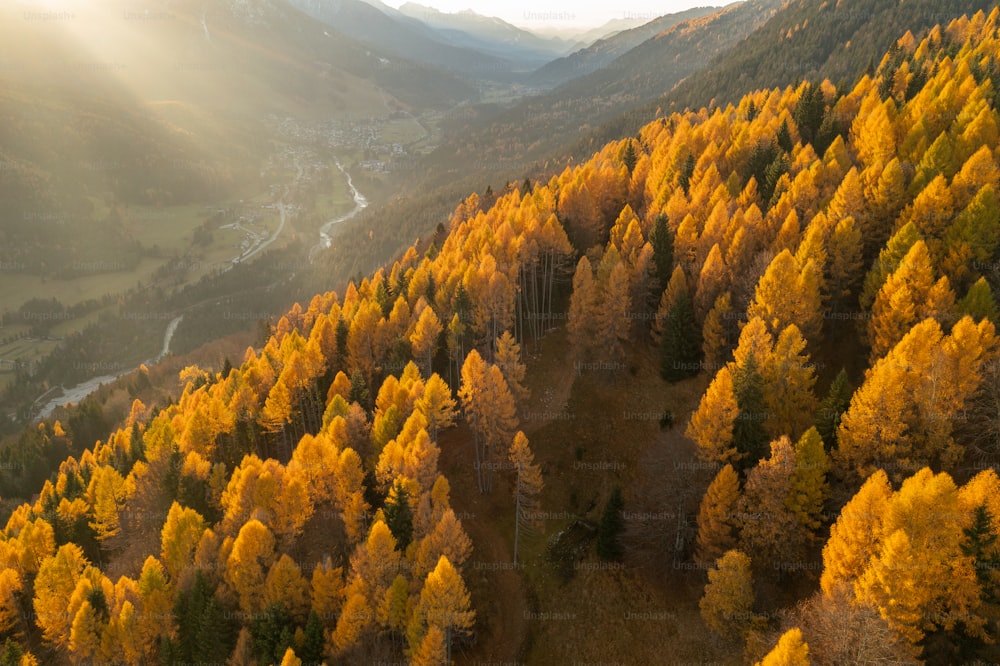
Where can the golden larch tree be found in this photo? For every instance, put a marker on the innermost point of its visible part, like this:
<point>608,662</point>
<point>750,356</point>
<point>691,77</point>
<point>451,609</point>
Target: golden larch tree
<point>727,604</point>
<point>716,340</point>
<point>355,617</point>
<point>711,425</point>
<point>810,489</point>
<point>909,295</point>
<point>349,496</point>
<point>432,650</point>
<point>527,485</point>
<point>444,603</point>
<point>248,562</point>
<point>791,650</point>
<point>327,590</point>
<point>446,538</point>
<point>769,531</point>
<point>424,339</point>
<point>789,293</point>
<point>286,585</point>
<point>920,580</point>
<point>717,527</point>
<point>179,538</point>
<point>508,359</point>
<point>11,588</point>
<point>437,405</point>
<point>55,582</point>
<point>289,658</point>
<point>857,533</point>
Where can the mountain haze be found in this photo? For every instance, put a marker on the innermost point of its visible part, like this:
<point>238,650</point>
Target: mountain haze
<point>604,50</point>
<point>395,33</point>
<point>489,34</point>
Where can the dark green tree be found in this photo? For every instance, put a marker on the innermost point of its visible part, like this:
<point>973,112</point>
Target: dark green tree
<point>399,516</point>
<point>628,155</point>
<point>611,526</point>
<point>680,348</point>
<point>463,305</point>
<point>359,390</point>
<point>761,157</point>
<point>311,653</point>
<point>272,632</point>
<point>749,435</point>
<point>662,240</point>
<point>684,180</point>
<point>11,653</point>
<point>206,631</point>
<point>136,447</point>
<point>772,174</point>
<point>978,544</point>
<point>341,338</point>
<point>836,402</point>
<point>784,137</point>
<point>809,112</point>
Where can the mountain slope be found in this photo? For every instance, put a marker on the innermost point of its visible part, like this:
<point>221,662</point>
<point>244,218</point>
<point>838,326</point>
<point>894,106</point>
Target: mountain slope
<point>808,39</point>
<point>536,126</point>
<point>490,145</point>
<point>741,229</point>
<point>816,39</point>
<point>165,103</point>
<point>488,34</point>
<point>397,34</point>
<point>600,53</point>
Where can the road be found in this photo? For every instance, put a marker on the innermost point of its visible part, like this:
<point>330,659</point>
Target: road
<point>283,210</point>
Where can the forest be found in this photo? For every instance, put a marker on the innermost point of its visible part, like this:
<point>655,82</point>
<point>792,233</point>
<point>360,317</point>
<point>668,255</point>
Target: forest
<point>815,264</point>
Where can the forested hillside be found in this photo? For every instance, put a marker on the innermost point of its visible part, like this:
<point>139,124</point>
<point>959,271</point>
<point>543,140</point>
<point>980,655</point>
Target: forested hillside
<point>822,259</point>
<point>806,40</point>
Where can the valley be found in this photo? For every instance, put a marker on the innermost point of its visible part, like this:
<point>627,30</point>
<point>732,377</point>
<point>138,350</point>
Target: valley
<point>342,333</point>
<point>303,185</point>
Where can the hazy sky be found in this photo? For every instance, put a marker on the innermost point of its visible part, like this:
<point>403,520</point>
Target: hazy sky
<point>556,14</point>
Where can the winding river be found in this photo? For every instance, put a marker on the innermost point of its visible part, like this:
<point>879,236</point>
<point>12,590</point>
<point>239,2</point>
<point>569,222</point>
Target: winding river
<point>360,203</point>
<point>77,393</point>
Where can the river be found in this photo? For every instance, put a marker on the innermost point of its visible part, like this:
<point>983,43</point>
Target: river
<point>77,393</point>
<point>360,203</point>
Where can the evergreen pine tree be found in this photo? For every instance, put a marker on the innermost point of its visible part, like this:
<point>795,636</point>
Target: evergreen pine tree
<point>749,436</point>
<point>272,633</point>
<point>837,400</point>
<point>809,112</point>
<point>399,516</point>
<point>680,349</point>
<point>784,137</point>
<point>610,527</point>
<point>662,240</point>
<point>978,544</point>
<point>684,180</point>
<point>311,651</point>
<point>629,156</point>
<point>359,391</point>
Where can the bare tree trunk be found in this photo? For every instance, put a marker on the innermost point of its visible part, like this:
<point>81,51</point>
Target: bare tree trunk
<point>517,512</point>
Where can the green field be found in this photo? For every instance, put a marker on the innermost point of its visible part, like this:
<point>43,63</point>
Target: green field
<point>403,130</point>
<point>170,232</point>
